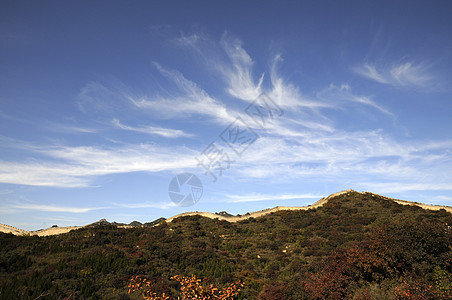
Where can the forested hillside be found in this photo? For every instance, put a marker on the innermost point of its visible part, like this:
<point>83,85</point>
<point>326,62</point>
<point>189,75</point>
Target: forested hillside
<point>356,246</point>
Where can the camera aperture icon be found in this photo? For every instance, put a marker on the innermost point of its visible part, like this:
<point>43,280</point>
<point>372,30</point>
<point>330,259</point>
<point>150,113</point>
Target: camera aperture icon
<point>185,189</point>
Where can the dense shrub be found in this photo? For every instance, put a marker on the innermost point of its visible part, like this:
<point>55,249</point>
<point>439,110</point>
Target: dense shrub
<point>357,246</point>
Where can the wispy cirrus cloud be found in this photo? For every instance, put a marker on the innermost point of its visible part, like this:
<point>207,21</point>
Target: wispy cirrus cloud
<point>188,40</point>
<point>399,187</point>
<point>307,143</point>
<point>193,101</point>
<point>42,173</point>
<point>267,197</point>
<point>66,166</point>
<point>236,70</point>
<point>152,130</point>
<point>304,143</point>
<point>288,96</point>
<point>239,74</point>
<point>17,206</point>
<point>10,117</point>
<point>97,97</point>
<point>70,128</point>
<point>404,74</point>
<point>343,96</point>
<point>56,208</point>
<point>358,155</point>
<point>159,205</point>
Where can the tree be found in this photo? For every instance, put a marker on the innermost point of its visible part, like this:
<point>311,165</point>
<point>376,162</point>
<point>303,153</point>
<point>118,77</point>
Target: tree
<point>190,288</point>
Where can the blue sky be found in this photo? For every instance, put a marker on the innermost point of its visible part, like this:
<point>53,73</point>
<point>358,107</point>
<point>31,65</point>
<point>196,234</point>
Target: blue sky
<point>103,103</point>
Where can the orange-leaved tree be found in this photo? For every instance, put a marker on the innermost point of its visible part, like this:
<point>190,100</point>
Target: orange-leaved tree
<point>190,288</point>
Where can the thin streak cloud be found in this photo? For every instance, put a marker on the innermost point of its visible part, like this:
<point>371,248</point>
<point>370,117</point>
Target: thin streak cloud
<point>159,205</point>
<point>79,166</point>
<point>51,208</point>
<point>195,101</point>
<point>264,197</point>
<point>404,74</point>
<point>239,76</point>
<point>151,130</point>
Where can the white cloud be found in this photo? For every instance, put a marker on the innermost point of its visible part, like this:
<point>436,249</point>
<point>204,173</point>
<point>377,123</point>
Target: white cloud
<point>96,97</point>
<point>405,74</point>
<point>343,95</point>
<point>10,117</point>
<point>151,130</point>
<point>288,96</point>
<point>303,143</point>
<point>352,155</point>
<point>442,197</point>
<point>399,187</point>
<point>371,73</point>
<point>6,192</point>
<point>236,70</point>
<point>160,205</point>
<point>78,166</point>
<point>52,208</point>
<point>70,129</point>
<point>239,76</point>
<point>41,174</point>
<point>408,74</point>
<point>194,101</point>
<point>268,197</point>
<point>188,40</point>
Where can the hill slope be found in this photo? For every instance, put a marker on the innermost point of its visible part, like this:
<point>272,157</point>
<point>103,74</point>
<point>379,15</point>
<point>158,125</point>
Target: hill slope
<point>315,205</point>
<point>60,230</point>
<point>350,246</point>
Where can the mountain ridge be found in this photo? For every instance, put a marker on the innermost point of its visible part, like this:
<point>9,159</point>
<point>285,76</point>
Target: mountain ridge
<point>61,230</point>
<point>318,203</point>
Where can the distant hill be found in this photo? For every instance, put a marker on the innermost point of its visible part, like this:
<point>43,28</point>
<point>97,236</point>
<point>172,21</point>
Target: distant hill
<point>155,222</point>
<point>349,245</point>
<point>55,230</point>
<point>221,216</point>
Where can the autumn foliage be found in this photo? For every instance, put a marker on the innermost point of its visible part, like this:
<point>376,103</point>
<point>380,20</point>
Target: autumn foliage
<point>356,246</point>
<point>190,288</point>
